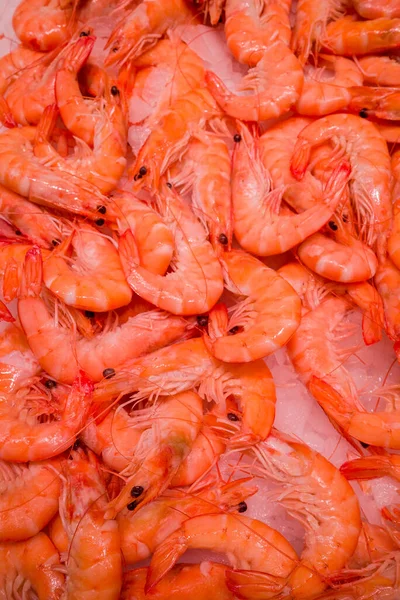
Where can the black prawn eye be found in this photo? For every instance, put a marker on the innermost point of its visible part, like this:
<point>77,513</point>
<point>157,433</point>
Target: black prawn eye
<point>114,90</point>
<point>333,225</point>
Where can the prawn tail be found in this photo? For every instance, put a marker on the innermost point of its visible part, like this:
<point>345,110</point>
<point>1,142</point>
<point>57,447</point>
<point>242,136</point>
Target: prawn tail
<point>46,124</point>
<point>300,159</point>
<point>367,467</point>
<point>79,400</point>
<point>337,182</point>
<point>218,321</point>
<point>234,493</point>
<point>339,406</point>
<point>32,273</point>
<point>11,280</point>
<point>5,314</point>
<point>164,558</point>
<point>128,251</point>
<point>6,117</point>
<point>77,54</point>
<point>217,88</point>
<point>371,328</point>
<point>391,513</point>
<point>253,585</point>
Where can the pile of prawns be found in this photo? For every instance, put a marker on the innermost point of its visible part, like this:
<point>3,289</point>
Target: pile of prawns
<point>145,307</point>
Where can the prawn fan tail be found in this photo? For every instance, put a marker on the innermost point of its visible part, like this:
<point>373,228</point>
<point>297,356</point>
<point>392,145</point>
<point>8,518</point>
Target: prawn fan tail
<point>253,585</point>
<point>5,314</point>
<point>368,467</point>
<point>77,54</point>
<point>32,273</point>
<point>300,159</point>
<point>164,558</point>
<point>337,181</point>
<point>128,250</point>
<point>6,117</point>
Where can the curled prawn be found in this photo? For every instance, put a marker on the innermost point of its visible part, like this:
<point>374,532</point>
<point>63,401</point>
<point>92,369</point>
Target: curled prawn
<point>187,365</point>
<point>273,233</point>
<point>94,557</point>
<point>195,283</point>
<point>254,330</point>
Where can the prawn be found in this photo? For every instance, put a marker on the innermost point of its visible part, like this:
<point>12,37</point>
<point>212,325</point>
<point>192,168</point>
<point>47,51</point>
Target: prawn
<point>94,566</point>
<point>202,582</point>
<point>143,27</point>
<point>188,365</point>
<point>62,355</point>
<point>142,532</point>
<point>254,330</point>
<point>92,279</point>
<point>317,494</point>
<point>322,94</point>
<point>19,170</point>
<point>33,221</point>
<point>370,187</point>
<point>195,283</point>
<point>30,567</point>
<point>44,24</point>
<point>28,498</point>
<point>153,237</point>
<point>379,70</point>
<point>276,81</point>
<point>174,425</point>
<point>311,21</point>
<point>261,557</point>
<point>348,37</point>
<point>273,233</point>
<point>370,10</point>
<point>171,134</point>
<point>206,171</point>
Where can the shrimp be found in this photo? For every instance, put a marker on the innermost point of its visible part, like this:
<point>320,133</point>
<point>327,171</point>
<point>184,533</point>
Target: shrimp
<point>174,425</point>
<point>311,21</point>
<point>379,70</point>
<point>206,170</point>
<point>28,498</point>
<point>348,37</point>
<point>44,24</point>
<point>195,283</point>
<point>276,81</point>
<point>94,566</point>
<point>19,170</point>
<point>370,187</point>
<point>154,239</point>
<point>250,25</point>
<point>143,27</point>
<point>94,279</point>
<point>272,233</point>
<point>30,567</point>
<point>394,239</point>
<point>62,355</point>
<point>187,365</point>
<point>171,135</point>
<point>255,330</point>
<point>143,531</point>
<point>346,261</point>
<point>387,281</point>
<point>23,439</point>
<point>322,94</point>
<point>262,559</point>
<point>315,493</point>
<point>34,222</point>
<point>371,10</point>
<point>203,581</point>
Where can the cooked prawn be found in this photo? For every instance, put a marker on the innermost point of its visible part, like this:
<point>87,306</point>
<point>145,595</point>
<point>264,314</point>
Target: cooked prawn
<point>322,94</point>
<point>206,170</point>
<point>371,10</point>
<point>28,498</point>
<point>62,354</point>
<point>153,237</point>
<point>261,557</point>
<point>30,567</point>
<point>174,425</point>
<point>379,70</point>
<point>44,24</point>
<point>143,27</point>
<point>189,365</point>
<point>92,277</point>
<point>315,493</point>
<point>272,233</point>
<point>348,37</point>
<point>171,135</point>
<point>254,330</point>
<point>202,582</point>
<point>276,81</point>
<point>94,569</point>
<point>312,18</point>
<point>195,283</point>
<point>143,531</point>
<point>370,162</point>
